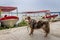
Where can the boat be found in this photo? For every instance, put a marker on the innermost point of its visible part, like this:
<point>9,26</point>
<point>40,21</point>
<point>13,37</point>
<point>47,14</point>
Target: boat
<point>8,21</point>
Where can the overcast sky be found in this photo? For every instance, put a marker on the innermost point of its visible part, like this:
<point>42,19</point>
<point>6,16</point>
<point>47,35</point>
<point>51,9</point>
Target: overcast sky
<point>32,5</point>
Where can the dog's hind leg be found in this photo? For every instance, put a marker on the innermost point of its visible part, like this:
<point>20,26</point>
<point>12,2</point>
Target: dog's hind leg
<point>46,29</point>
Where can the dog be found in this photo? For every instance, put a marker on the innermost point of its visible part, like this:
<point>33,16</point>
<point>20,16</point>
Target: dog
<point>33,24</point>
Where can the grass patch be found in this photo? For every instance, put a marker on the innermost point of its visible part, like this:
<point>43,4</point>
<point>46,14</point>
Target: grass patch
<point>22,23</point>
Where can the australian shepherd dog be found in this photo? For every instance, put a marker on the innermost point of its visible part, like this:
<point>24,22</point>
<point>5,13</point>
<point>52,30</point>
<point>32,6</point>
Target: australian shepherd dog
<point>38,25</point>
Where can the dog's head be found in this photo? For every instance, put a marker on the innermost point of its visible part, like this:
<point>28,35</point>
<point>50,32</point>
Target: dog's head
<point>27,19</point>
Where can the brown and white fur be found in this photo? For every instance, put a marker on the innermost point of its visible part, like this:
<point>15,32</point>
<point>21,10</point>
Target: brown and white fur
<point>41,24</point>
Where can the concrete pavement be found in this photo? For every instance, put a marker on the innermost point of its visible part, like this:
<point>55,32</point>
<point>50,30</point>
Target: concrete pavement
<point>21,33</point>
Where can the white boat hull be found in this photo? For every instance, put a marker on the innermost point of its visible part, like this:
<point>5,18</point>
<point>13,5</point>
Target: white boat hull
<point>10,22</point>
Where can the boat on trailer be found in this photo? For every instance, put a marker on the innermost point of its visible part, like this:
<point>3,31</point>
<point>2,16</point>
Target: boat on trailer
<point>8,21</point>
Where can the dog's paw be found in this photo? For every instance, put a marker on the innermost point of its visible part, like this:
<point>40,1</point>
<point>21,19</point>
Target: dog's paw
<point>30,34</point>
<point>46,35</point>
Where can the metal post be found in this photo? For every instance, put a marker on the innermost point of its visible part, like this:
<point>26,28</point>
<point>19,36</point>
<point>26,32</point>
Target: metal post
<point>9,14</point>
<point>59,15</point>
<point>0,17</point>
<point>0,13</point>
<point>17,11</point>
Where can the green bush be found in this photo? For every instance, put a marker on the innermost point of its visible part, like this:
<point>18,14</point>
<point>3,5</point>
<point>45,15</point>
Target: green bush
<point>22,23</point>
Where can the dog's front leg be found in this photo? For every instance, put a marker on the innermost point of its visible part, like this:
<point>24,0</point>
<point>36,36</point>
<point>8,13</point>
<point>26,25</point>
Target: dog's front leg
<point>31,31</point>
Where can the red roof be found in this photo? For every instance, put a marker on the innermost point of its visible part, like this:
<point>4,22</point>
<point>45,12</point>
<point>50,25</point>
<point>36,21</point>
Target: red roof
<point>37,11</point>
<point>7,8</point>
